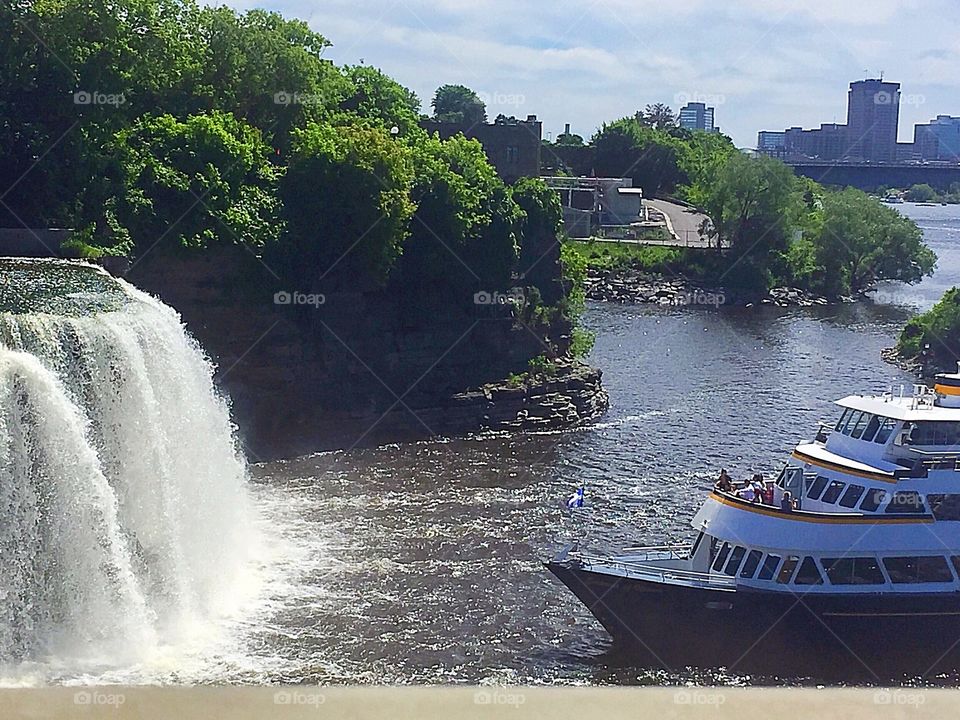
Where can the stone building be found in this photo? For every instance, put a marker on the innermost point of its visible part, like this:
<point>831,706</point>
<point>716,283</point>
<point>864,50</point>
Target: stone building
<point>512,145</point>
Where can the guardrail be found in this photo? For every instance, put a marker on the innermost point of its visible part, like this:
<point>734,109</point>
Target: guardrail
<point>659,574</point>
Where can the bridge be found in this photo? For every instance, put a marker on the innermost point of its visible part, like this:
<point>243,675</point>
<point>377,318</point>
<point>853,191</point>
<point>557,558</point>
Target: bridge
<point>870,176</point>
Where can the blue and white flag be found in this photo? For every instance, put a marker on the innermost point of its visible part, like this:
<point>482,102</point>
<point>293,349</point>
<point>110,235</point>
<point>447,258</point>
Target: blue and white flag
<point>575,500</point>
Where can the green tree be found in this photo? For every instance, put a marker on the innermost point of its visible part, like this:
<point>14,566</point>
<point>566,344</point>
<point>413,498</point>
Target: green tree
<point>934,336</point>
<point>751,204</point>
<point>651,158</point>
<point>658,116</point>
<point>346,200</point>
<point>540,243</point>
<point>190,184</point>
<point>373,95</point>
<point>459,104</point>
<point>921,193</point>
<point>465,229</point>
<point>863,241</point>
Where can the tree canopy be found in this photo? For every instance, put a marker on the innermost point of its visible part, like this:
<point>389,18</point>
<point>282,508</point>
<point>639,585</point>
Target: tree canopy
<point>459,104</point>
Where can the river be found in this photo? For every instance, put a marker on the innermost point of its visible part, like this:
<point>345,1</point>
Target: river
<point>421,563</point>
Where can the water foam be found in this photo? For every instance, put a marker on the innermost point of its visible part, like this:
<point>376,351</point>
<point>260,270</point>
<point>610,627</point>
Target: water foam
<point>125,525</point>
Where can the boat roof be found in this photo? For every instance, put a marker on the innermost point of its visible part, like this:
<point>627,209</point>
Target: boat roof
<point>900,408</point>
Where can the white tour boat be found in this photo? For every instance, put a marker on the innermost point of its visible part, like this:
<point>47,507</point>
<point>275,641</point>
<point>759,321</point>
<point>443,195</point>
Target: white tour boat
<point>859,574</point>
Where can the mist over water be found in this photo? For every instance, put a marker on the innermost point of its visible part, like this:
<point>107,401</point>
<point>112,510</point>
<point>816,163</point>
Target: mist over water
<point>125,528</point>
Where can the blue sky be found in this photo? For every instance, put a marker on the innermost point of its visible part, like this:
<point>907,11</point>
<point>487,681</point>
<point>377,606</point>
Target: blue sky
<point>764,64</point>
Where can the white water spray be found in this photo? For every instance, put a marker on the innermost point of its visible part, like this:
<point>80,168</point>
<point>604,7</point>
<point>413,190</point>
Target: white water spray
<point>123,509</point>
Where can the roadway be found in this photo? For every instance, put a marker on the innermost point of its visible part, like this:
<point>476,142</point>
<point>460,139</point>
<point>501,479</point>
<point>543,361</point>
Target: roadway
<point>683,223</point>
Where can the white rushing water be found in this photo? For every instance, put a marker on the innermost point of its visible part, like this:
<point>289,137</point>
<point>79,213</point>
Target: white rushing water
<point>125,528</point>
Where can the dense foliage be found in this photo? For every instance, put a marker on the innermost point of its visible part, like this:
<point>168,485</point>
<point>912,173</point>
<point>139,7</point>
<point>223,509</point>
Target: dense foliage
<point>934,337</point>
<point>166,126</point>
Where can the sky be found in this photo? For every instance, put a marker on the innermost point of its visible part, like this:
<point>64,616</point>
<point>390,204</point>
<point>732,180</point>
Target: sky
<point>764,64</point>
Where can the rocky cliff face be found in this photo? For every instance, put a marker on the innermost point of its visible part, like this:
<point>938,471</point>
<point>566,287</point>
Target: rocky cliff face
<point>307,373</point>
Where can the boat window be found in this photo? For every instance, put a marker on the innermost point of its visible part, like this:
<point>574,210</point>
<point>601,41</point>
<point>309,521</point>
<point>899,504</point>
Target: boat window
<point>874,498</point>
<point>861,425</point>
<point>736,557</point>
<point>750,566</point>
<point>851,422</point>
<point>905,501</point>
<point>871,428</point>
<point>721,557</point>
<point>956,563</point>
<point>853,571</point>
<point>770,563</point>
<point>808,574</point>
<point>886,429</point>
<point>918,569</point>
<point>851,496</point>
<point>833,492</point>
<point>844,416</point>
<point>787,570</point>
<point>935,433</point>
<point>944,507</point>
<point>817,487</point>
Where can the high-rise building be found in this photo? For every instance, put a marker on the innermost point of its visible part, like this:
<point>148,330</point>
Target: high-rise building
<point>873,115</point>
<point>697,116</point>
<point>938,139</point>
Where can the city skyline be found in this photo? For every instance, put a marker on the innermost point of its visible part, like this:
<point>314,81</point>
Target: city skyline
<point>760,64</point>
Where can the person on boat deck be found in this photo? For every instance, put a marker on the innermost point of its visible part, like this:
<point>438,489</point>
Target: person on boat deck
<point>747,492</point>
<point>724,483</point>
<point>767,491</point>
<point>757,484</point>
<point>787,502</point>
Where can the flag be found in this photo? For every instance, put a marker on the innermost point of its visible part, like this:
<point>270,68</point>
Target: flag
<point>575,500</point>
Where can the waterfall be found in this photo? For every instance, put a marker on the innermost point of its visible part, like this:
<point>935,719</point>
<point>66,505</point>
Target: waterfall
<point>123,508</point>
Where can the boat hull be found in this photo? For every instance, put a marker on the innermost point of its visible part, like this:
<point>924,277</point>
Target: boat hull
<point>846,637</point>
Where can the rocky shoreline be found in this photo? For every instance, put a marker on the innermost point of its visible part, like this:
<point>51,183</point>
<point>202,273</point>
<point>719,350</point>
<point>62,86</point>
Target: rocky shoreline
<point>572,396</point>
<point>634,286</point>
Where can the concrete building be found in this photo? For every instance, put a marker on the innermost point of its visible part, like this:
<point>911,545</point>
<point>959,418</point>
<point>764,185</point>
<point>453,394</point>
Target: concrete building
<point>938,140</point>
<point>590,204</point>
<point>512,146</point>
<point>873,116</point>
<point>697,116</point>
<point>771,143</point>
<point>828,142</point>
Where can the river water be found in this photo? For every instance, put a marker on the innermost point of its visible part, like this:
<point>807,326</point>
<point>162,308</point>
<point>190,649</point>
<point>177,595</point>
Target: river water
<point>421,563</point>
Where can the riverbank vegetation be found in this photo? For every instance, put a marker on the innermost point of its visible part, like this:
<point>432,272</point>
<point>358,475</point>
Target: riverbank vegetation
<point>769,227</point>
<point>932,339</point>
<point>166,126</point>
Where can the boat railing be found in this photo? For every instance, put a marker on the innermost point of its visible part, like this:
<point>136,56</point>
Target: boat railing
<point>641,553</point>
<point>633,569</point>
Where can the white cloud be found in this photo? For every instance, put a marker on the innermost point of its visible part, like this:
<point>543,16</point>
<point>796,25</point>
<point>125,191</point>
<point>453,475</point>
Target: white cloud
<point>774,62</point>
